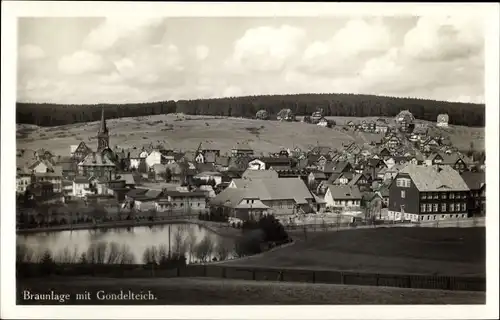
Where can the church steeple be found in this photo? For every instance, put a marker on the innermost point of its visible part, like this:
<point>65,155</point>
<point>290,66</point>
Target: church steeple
<point>102,134</point>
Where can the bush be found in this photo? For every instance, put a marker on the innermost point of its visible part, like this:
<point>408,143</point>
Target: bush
<point>249,244</point>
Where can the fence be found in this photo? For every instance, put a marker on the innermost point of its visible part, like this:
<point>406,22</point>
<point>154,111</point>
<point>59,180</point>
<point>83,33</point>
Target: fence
<point>323,226</point>
<point>267,274</point>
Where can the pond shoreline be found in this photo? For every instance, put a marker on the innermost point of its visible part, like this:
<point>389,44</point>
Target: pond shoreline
<point>214,227</point>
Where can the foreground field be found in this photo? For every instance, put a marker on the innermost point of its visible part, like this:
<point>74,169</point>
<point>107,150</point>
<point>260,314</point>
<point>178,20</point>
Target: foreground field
<point>186,132</point>
<point>432,251</point>
<point>207,291</point>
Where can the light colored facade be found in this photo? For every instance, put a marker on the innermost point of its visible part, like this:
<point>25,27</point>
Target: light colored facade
<point>154,157</point>
<point>22,181</point>
<point>256,164</point>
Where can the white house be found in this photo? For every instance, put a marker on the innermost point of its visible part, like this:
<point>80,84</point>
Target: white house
<point>207,175</point>
<point>154,157</point>
<point>442,120</point>
<point>323,122</point>
<point>23,179</point>
<point>256,164</point>
<point>81,187</point>
<point>343,197</point>
<point>136,158</point>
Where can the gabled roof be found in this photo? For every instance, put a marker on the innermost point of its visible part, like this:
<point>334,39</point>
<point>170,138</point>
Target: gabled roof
<point>434,178</point>
<point>275,189</point>
<point>222,161</point>
<point>345,192</point>
<point>474,180</point>
<point>97,159</point>
<point>259,174</point>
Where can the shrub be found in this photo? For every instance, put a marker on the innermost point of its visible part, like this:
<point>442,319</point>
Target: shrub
<point>249,244</point>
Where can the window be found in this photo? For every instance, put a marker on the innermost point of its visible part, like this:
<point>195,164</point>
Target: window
<point>428,217</point>
<point>424,195</point>
<point>422,207</point>
<point>403,194</point>
<point>434,217</point>
<point>442,216</point>
<point>452,196</point>
<point>435,207</point>
<point>452,207</point>
<point>464,206</point>
<point>436,196</point>
<point>429,207</point>
<point>443,207</point>
<point>456,216</point>
<point>464,195</point>
<point>443,196</point>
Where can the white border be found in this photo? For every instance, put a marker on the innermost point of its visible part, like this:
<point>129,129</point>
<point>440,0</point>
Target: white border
<point>11,10</point>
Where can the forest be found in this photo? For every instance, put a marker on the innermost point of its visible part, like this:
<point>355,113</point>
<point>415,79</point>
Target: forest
<point>351,105</point>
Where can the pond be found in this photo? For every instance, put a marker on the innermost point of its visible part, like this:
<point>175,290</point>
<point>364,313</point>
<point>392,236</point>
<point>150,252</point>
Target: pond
<point>125,245</point>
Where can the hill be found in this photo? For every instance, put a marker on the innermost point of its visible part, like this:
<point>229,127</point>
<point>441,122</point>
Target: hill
<point>349,105</point>
<point>186,132</point>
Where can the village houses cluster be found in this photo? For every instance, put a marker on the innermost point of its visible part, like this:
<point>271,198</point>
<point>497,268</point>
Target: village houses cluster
<point>410,173</point>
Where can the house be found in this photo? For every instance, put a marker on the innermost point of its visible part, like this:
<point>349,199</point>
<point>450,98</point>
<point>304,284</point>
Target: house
<point>381,126</point>
<point>405,119</point>
<point>154,157</point>
<point>314,178</point>
<point>69,166</point>
<point>23,180</point>
<point>53,175</point>
<point>393,142</point>
<point>176,172</point>
<point>385,153</point>
<point>222,163</point>
<point>158,171</point>
<point>259,174</point>
<point>342,178</point>
<point>265,163</point>
<point>428,193</point>
<point>371,126</point>
<point>242,149</point>
<point>97,164</point>
<point>476,181</point>
<point>286,115</point>
<point>343,197</point>
<point>442,120</point>
<point>323,122</point>
<point>142,199</point>
<point>207,176</point>
<point>80,151</point>
<point>283,196</point>
<point>135,157</point>
<point>81,187</point>
<point>317,116</point>
<point>181,202</point>
<point>43,192</point>
<point>351,124</point>
<point>361,180</point>
<point>240,203</point>
<point>40,166</point>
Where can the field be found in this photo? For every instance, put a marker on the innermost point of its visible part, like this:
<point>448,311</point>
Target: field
<point>186,132</point>
<point>208,291</point>
<point>431,251</point>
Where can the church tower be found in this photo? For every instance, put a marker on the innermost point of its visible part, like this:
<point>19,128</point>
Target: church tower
<point>102,135</point>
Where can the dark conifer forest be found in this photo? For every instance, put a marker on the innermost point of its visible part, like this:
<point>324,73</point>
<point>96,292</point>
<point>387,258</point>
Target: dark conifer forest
<point>352,105</point>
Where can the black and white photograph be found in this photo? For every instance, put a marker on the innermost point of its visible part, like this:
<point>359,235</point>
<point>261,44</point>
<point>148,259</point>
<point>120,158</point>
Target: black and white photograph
<point>237,155</point>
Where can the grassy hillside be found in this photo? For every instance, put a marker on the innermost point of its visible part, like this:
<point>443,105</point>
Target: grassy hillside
<point>443,251</point>
<point>186,132</point>
<point>207,291</point>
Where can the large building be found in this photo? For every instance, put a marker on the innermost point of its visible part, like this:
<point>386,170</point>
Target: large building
<point>423,193</point>
<point>103,163</point>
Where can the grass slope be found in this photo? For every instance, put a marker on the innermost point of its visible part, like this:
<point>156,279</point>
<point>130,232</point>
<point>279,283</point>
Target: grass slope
<point>443,251</point>
<point>207,291</point>
<point>186,132</point>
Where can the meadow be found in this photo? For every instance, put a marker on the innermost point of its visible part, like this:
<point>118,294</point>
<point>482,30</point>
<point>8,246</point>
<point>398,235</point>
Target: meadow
<point>186,132</point>
<point>428,251</point>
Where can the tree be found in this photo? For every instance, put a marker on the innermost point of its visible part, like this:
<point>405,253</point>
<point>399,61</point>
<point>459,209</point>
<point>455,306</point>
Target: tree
<point>204,249</point>
<point>262,115</point>
<point>168,175</point>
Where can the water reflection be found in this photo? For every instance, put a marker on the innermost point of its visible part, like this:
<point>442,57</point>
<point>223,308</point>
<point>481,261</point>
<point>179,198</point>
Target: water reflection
<point>70,245</point>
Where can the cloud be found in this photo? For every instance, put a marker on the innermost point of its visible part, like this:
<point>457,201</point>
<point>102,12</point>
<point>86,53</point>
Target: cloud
<point>126,30</point>
<point>31,52</point>
<point>82,62</point>
<point>266,49</point>
<point>341,53</point>
<point>202,52</point>
<point>444,38</point>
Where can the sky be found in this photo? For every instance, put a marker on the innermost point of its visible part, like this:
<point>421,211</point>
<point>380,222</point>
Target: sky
<point>142,59</point>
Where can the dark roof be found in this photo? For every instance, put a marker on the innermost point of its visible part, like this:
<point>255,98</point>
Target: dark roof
<point>185,194</point>
<point>474,180</point>
<point>345,192</point>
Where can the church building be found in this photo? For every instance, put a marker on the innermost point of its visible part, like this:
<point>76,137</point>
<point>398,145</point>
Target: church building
<point>103,162</point>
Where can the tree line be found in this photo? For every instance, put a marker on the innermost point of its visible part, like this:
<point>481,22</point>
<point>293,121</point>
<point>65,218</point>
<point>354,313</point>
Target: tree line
<point>350,105</point>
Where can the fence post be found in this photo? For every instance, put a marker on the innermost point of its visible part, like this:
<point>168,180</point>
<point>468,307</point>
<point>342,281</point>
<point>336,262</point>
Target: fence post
<point>178,271</point>
<point>223,272</point>
<point>377,276</point>
<point>342,278</point>
<point>314,276</point>
<point>205,270</point>
<point>253,274</point>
